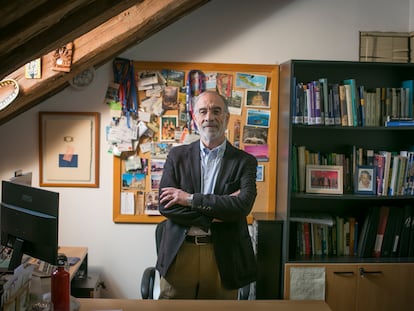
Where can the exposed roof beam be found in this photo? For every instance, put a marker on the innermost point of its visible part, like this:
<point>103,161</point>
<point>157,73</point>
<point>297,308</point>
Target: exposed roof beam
<point>98,46</point>
<point>34,28</point>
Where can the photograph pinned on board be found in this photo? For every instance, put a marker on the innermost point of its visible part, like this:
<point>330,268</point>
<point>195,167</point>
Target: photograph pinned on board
<point>256,117</point>
<point>169,124</point>
<point>257,98</point>
<point>255,135</point>
<point>260,173</point>
<point>251,81</point>
<point>151,203</point>
<point>170,98</point>
<point>235,102</point>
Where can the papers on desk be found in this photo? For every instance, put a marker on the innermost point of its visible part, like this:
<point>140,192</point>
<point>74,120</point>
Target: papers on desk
<point>15,295</point>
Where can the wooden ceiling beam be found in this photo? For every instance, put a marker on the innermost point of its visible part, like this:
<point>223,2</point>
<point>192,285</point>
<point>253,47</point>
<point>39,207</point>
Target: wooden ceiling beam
<point>96,47</point>
<point>42,26</point>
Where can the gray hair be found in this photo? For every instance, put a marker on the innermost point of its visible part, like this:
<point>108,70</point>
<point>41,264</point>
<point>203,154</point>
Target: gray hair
<point>224,99</point>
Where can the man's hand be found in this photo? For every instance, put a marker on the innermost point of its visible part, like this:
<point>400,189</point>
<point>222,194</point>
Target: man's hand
<point>170,196</point>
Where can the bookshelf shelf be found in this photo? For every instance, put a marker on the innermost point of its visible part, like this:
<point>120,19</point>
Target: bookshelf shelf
<point>334,139</point>
<point>330,247</point>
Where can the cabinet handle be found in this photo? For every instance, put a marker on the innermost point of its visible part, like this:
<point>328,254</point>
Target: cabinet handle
<point>344,272</point>
<point>362,272</point>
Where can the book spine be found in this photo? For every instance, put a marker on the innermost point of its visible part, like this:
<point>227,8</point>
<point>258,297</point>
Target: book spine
<point>383,218</point>
<point>349,105</point>
<point>336,104</point>
<point>317,102</point>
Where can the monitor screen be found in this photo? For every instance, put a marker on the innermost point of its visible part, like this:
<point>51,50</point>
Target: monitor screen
<point>29,222</point>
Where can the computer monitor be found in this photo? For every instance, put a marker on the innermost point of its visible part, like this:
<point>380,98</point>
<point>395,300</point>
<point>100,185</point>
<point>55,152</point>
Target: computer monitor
<point>29,222</point>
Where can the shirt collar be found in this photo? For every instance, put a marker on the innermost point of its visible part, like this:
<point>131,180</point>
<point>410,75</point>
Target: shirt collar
<point>220,149</point>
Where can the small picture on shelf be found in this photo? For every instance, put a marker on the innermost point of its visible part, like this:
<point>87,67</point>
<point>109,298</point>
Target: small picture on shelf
<point>324,179</point>
<point>365,179</point>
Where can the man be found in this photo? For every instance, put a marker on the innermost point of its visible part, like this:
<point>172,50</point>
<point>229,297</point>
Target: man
<point>207,189</point>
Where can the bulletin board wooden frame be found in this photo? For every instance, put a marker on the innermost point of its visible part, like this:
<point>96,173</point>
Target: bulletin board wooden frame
<point>266,186</point>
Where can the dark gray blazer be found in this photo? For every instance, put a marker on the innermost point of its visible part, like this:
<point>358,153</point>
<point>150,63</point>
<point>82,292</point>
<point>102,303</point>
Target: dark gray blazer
<point>232,244</point>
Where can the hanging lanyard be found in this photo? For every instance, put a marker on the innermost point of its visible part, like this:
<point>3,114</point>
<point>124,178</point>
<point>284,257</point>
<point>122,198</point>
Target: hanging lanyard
<point>124,75</point>
<point>195,86</point>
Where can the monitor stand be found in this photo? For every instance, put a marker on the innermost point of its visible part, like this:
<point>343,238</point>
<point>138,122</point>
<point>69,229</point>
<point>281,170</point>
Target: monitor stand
<point>17,255</point>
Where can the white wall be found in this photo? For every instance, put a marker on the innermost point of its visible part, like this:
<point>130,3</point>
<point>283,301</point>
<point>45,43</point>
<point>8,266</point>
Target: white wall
<point>232,31</point>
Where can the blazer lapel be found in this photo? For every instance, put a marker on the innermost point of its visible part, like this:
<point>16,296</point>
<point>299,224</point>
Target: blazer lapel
<point>195,166</point>
<point>225,169</point>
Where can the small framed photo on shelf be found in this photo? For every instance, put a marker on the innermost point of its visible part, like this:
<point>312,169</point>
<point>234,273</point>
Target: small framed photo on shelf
<point>324,179</point>
<point>365,180</point>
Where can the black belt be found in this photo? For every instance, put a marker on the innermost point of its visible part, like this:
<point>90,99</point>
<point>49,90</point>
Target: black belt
<point>198,239</point>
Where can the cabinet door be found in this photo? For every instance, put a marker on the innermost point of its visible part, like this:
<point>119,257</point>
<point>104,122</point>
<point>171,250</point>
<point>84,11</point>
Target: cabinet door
<point>385,287</point>
<point>341,284</point>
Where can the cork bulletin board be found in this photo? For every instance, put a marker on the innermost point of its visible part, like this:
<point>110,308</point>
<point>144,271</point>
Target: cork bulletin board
<point>253,94</point>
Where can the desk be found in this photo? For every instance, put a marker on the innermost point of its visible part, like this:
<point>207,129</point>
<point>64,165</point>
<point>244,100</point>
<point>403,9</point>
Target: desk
<point>201,305</point>
<point>80,252</point>
<point>41,285</point>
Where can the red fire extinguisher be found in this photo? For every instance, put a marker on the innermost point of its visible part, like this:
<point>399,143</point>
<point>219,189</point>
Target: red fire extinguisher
<point>60,286</point>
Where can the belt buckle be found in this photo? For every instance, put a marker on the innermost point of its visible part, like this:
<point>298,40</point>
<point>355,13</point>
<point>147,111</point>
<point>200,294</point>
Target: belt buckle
<point>196,242</point>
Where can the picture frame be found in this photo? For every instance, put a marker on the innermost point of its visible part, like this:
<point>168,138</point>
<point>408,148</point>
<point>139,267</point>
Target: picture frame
<point>69,149</point>
<point>324,179</point>
<point>365,179</point>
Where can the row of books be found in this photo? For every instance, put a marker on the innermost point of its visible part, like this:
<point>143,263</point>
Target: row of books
<point>391,172</point>
<point>384,232</point>
<point>348,104</point>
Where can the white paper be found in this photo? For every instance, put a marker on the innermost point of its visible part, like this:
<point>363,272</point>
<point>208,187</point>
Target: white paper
<point>307,283</point>
<point>127,203</point>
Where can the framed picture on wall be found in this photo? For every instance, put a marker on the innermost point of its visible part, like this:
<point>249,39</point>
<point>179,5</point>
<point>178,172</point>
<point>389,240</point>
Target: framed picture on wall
<point>69,149</point>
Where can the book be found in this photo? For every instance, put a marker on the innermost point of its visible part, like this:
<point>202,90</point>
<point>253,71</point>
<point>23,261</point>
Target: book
<point>387,164</point>
<point>369,233</point>
<point>340,236</point>
<point>409,85</point>
<point>317,102</point>
<point>411,243</point>
<point>302,167</point>
<point>394,175</point>
<point>343,105</point>
<point>379,162</point>
<point>336,103</point>
<point>307,239</point>
<point>389,234</point>
<point>327,104</point>
<point>298,105</point>
<point>399,123</point>
<point>352,222</point>
<point>354,100</point>
<point>349,105</point>
<point>405,231</point>
<point>398,222</point>
<point>382,223</point>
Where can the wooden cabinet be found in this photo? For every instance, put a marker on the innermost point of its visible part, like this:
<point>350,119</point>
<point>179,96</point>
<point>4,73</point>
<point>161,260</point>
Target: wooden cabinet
<point>346,287</point>
<point>364,287</point>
